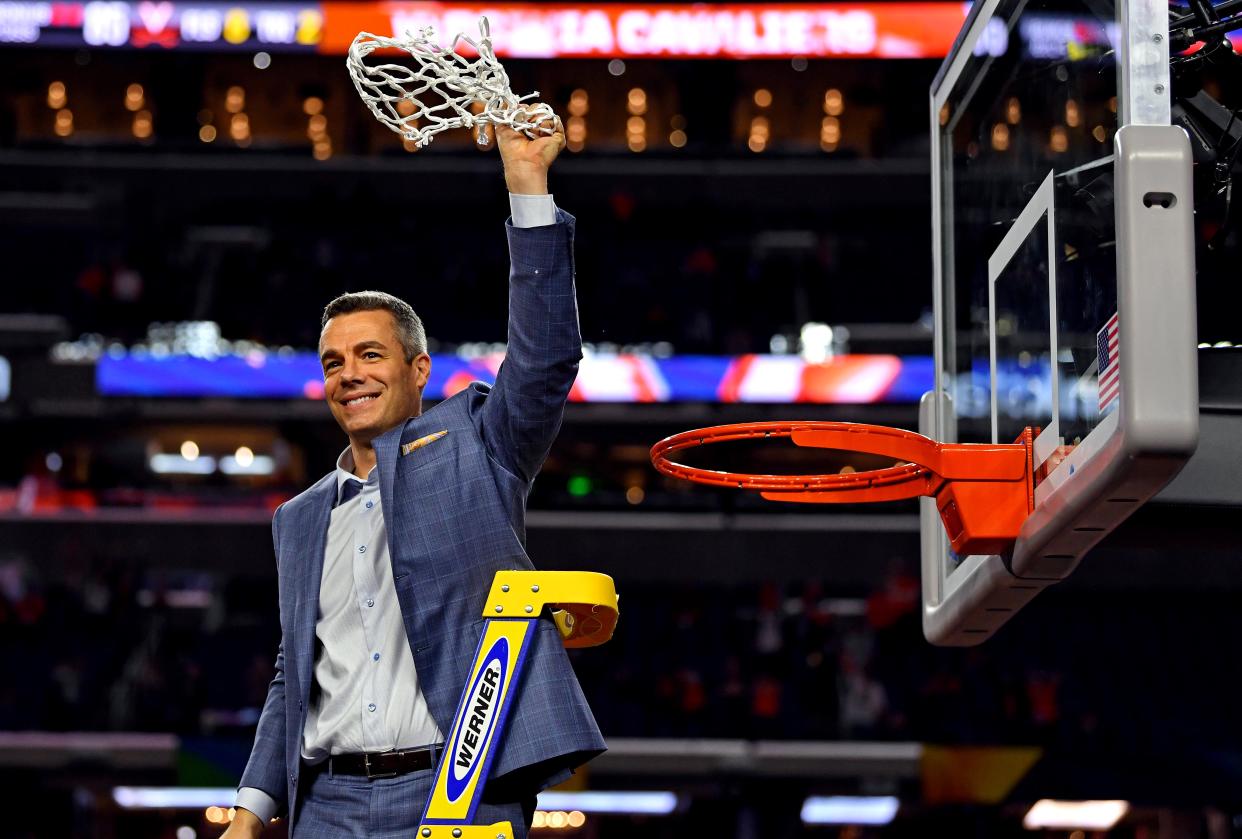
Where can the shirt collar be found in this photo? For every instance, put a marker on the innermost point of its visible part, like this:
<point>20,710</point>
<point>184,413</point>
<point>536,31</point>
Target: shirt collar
<point>345,471</point>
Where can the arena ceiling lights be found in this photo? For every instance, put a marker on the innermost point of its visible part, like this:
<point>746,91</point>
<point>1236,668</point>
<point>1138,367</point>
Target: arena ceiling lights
<point>520,30</point>
<point>629,802</point>
<point>1048,814</point>
<point>850,809</point>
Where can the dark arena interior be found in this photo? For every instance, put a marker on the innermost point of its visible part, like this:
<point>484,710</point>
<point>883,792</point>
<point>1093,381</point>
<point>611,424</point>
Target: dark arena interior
<point>753,243</point>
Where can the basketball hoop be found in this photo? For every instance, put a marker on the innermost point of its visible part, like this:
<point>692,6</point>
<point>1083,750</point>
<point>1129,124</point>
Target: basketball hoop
<point>404,98</point>
<point>984,492</point>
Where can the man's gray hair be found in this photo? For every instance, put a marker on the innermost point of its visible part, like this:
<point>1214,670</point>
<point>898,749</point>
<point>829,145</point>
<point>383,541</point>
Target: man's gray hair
<point>409,326</point>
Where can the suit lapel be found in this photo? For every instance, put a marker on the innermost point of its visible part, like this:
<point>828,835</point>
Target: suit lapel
<point>386,446</point>
<point>310,526</point>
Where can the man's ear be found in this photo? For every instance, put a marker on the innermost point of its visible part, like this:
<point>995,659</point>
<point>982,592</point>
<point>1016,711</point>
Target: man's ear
<point>422,370</point>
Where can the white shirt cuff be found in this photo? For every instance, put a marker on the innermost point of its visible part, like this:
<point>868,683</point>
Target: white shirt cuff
<point>532,210</point>
<point>258,802</point>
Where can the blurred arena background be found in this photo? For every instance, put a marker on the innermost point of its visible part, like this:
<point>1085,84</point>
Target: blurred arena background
<point>183,186</point>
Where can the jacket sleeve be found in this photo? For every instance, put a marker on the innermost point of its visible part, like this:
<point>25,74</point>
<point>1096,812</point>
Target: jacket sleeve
<point>522,415</point>
<point>265,771</point>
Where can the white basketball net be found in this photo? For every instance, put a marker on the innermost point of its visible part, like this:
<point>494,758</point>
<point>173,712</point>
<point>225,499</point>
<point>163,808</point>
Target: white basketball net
<point>443,88</point>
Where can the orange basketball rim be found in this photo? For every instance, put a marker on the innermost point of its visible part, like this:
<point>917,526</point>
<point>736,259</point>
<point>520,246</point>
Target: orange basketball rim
<point>983,491</point>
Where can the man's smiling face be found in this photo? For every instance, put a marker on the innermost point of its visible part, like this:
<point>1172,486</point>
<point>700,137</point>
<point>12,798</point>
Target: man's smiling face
<point>369,386</point>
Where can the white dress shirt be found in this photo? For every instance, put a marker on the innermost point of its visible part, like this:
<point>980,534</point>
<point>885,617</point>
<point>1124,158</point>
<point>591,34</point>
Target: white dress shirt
<point>366,696</point>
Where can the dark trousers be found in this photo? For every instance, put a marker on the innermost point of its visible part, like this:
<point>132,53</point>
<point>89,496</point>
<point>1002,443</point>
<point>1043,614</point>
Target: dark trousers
<point>349,806</point>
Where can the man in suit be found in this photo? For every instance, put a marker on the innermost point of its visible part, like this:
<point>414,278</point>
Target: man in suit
<point>384,564</point>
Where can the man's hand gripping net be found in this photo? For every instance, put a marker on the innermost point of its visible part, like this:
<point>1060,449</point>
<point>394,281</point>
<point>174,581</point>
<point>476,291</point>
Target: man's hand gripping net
<point>445,75</point>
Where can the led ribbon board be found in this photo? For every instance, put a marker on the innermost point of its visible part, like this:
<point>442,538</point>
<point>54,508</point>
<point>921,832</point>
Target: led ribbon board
<point>553,30</point>
<point>617,378</point>
<point>523,30</point>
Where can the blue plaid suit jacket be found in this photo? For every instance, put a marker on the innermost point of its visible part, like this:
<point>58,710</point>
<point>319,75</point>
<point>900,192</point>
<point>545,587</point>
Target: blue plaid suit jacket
<point>455,512</point>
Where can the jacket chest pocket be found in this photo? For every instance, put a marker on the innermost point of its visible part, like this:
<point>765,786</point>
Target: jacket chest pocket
<point>430,449</point>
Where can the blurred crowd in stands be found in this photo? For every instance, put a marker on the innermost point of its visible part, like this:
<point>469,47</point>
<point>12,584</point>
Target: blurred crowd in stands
<point>101,647</point>
<point>723,278</point>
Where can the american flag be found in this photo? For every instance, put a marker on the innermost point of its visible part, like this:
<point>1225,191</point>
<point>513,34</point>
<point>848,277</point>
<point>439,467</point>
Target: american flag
<point>1108,354</point>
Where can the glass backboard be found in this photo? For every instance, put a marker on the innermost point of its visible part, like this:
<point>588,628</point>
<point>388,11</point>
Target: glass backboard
<point>1043,117</point>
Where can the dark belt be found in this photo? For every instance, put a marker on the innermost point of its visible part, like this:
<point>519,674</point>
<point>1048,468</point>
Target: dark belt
<point>381,764</point>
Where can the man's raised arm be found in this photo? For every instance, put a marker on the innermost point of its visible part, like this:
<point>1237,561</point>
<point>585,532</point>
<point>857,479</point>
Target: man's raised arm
<point>522,416</point>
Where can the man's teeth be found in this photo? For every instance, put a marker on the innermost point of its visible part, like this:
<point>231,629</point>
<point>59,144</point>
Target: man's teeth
<point>360,400</point>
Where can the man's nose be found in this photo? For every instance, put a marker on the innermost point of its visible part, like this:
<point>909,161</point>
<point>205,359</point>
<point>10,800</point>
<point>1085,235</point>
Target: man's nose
<point>351,370</point>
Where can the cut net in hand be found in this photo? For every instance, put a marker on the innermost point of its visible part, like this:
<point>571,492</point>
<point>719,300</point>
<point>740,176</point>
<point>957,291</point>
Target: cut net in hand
<point>443,87</point>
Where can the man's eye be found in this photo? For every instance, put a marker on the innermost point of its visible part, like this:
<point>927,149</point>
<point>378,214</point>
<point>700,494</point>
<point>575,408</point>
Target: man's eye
<point>330,365</point>
<point>371,354</point>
